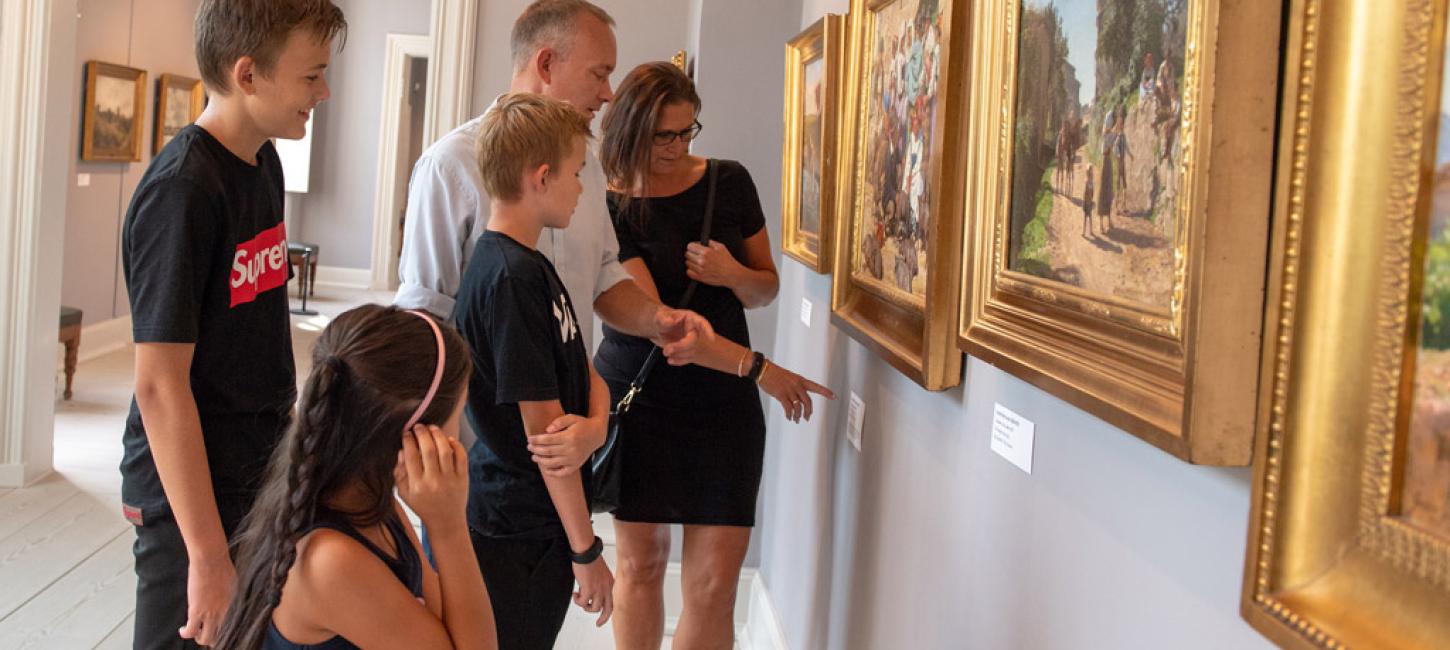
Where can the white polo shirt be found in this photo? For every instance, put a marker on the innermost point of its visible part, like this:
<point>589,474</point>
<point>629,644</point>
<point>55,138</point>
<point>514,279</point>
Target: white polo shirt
<point>448,210</point>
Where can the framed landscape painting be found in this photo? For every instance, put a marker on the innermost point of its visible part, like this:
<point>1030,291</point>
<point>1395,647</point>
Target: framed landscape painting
<point>896,259</point>
<point>1350,528</point>
<point>179,101</point>
<point>115,102</point>
<point>812,86</point>
<point>1119,201</point>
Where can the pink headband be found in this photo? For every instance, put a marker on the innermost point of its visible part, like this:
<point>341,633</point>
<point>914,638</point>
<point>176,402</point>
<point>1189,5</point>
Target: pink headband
<point>437,373</point>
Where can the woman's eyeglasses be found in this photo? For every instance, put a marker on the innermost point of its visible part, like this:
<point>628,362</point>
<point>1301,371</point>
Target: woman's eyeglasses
<point>663,138</point>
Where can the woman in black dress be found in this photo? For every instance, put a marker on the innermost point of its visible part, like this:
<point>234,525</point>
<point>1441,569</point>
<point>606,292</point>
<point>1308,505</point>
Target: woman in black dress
<point>695,436</point>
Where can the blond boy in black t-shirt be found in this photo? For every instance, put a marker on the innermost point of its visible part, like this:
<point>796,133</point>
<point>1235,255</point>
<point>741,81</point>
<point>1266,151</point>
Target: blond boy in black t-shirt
<point>531,527</point>
<point>205,257</point>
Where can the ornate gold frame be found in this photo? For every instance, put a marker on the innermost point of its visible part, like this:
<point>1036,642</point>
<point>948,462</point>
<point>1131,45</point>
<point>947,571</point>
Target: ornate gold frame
<point>1329,563</point>
<point>198,102</point>
<point>916,339</point>
<point>88,112</point>
<point>1182,379</point>
<point>821,41</point>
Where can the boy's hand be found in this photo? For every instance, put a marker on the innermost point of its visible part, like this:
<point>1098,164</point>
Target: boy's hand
<point>432,477</point>
<point>209,586</point>
<point>596,589</point>
<point>566,444</point>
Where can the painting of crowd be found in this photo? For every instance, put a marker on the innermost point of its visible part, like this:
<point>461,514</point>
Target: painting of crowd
<point>895,213</point>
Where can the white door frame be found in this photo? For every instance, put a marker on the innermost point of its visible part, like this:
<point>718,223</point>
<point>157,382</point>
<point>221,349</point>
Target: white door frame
<point>393,170</point>
<point>37,72</point>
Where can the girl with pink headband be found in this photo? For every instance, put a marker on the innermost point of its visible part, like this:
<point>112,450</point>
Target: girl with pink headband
<point>327,558</point>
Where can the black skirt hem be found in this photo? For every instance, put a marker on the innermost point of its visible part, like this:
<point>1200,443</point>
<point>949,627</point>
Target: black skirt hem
<point>690,522</point>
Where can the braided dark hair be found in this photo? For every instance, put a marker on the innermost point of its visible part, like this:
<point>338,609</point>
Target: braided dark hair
<point>370,370</point>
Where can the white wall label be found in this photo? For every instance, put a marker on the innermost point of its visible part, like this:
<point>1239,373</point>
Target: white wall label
<point>1012,437</point>
<point>806,311</point>
<point>83,180</point>
<point>853,420</point>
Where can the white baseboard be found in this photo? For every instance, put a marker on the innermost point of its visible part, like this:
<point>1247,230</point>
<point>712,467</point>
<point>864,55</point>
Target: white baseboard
<point>762,625</point>
<point>12,475</point>
<point>343,277</point>
<point>100,339</point>
<point>17,475</point>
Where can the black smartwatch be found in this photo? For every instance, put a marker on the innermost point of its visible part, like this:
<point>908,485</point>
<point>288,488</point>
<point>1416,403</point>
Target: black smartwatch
<point>756,367</point>
<point>595,550</point>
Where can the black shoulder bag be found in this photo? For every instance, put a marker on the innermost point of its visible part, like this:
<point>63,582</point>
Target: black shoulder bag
<point>606,461</point>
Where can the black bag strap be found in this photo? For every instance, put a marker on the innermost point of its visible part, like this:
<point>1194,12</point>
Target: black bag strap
<point>712,172</point>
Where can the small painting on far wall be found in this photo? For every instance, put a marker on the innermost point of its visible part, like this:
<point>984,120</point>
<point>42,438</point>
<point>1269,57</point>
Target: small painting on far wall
<point>115,104</point>
<point>813,72</point>
<point>179,101</point>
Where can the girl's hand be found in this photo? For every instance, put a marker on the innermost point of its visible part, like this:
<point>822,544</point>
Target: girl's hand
<point>432,477</point>
<point>792,391</point>
<point>712,265</point>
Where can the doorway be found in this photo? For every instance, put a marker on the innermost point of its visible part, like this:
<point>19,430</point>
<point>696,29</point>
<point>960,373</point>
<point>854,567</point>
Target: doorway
<point>400,143</point>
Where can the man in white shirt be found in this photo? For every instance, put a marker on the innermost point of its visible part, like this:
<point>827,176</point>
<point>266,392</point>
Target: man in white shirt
<point>564,49</point>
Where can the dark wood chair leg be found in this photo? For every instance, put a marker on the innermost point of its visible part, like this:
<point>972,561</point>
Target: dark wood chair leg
<point>72,350</point>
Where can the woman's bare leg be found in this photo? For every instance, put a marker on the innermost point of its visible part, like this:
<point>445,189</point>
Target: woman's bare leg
<point>713,555</point>
<point>643,553</point>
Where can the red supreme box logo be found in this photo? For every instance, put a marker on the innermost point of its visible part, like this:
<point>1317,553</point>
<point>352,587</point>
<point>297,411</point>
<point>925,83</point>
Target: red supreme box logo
<point>259,265</point>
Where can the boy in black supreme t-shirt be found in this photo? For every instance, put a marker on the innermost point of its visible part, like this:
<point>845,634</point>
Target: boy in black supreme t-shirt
<point>205,256</point>
<point>531,373</point>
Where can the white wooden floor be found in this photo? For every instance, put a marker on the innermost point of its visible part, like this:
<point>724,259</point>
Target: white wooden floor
<point>66,578</point>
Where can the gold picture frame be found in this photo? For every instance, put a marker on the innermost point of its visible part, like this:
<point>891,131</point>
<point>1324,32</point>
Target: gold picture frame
<point>115,105</point>
<point>812,79</point>
<point>1335,558</point>
<point>1168,351</point>
<point>913,330</point>
<point>179,101</point>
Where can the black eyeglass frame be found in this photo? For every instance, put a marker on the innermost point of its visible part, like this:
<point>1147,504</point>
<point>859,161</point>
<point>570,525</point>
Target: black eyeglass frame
<point>687,135</point>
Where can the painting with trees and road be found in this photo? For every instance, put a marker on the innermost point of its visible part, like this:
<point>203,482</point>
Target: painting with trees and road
<point>1095,182</point>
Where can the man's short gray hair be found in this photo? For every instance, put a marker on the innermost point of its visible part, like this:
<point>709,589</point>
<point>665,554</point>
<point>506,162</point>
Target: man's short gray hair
<point>551,24</point>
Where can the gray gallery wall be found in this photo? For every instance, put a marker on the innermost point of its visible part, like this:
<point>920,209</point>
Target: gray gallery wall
<point>337,211</point>
<point>926,539</point>
<point>155,36</point>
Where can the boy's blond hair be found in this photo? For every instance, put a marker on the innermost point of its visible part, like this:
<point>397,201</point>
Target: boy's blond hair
<point>523,131</point>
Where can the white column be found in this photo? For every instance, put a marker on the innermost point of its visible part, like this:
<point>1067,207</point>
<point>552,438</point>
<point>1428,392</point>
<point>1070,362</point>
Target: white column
<point>37,72</point>
<point>450,68</point>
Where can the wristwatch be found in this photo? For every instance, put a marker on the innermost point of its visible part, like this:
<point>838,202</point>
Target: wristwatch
<point>756,367</point>
<point>587,557</point>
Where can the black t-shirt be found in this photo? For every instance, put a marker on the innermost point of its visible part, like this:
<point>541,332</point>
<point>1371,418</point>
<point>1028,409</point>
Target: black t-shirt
<point>517,317</point>
<point>204,251</point>
<point>657,230</point>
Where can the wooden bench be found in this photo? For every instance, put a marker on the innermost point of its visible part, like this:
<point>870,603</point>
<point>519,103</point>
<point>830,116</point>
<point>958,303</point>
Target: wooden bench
<point>70,336</point>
